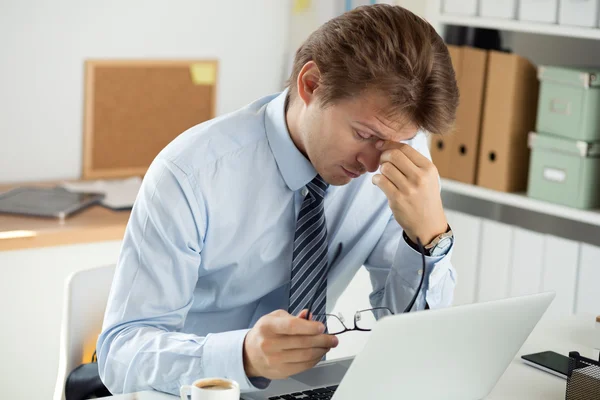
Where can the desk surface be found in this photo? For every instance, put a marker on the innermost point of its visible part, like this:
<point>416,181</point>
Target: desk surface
<point>94,224</point>
<point>519,381</point>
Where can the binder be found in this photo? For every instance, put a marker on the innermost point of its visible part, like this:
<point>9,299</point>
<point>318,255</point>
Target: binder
<point>470,65</point>
<point>440,148</point>
<point>509,115</point>
<point>441,145</point>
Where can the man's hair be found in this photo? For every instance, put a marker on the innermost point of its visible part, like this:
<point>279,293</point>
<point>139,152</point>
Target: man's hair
<point>387,50</point>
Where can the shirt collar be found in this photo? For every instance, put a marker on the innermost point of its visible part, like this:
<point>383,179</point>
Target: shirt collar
<point>296,170</point>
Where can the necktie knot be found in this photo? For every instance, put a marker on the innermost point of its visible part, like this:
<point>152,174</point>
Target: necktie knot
<point>317,187</point>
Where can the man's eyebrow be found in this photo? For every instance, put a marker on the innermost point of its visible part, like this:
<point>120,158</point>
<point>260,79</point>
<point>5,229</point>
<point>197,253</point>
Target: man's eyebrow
<point>377,133</point>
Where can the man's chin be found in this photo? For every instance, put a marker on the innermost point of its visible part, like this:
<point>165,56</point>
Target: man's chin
<point>338,180</point>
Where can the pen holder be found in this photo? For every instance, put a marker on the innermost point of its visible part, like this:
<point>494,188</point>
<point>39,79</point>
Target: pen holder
<point>583,378</point>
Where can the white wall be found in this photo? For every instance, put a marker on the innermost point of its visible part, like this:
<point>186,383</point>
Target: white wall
<point>304,21</point>
<point>419,7</point>
<point>43,45</point>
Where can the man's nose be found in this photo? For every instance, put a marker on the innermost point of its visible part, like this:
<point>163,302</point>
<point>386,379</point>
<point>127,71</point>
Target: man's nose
<point>369,159</point>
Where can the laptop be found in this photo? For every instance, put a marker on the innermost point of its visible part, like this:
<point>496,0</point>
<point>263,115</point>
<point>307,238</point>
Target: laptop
<point>52,202</point>
<point>452,353</point>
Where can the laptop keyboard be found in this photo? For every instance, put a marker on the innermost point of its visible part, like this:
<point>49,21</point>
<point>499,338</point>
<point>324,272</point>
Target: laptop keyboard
<point>324,393</point>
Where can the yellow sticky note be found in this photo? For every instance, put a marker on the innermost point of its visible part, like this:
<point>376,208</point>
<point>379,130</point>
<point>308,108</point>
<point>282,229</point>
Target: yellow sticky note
<point>301,5</point>
<point>203,73</point>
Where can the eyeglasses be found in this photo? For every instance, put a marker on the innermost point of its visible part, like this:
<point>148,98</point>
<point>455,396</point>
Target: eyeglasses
<point>364,320</point>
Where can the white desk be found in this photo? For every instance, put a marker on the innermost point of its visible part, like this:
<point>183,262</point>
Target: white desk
<point>520,381</point>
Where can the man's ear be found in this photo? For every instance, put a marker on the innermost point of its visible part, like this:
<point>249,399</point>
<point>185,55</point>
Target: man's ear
<point>308,82</point>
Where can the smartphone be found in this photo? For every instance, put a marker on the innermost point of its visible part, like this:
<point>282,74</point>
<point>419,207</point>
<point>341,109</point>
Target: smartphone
<point>548,361</point>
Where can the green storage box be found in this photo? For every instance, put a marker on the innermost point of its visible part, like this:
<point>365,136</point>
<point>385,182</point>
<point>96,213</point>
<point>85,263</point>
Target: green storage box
<point>569,103</point>
<point>564,171</point>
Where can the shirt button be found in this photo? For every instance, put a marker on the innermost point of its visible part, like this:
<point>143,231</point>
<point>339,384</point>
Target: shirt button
<point>304,191</point>
<point>420,272</point>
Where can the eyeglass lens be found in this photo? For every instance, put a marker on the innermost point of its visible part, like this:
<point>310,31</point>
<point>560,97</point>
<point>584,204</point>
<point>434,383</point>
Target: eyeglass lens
<point>363,320</point>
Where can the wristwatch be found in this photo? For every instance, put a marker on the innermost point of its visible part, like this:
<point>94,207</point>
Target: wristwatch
<point>439,246</point>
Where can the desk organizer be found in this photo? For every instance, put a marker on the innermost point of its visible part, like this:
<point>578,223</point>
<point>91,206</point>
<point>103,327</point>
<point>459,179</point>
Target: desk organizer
<point>583,378</point>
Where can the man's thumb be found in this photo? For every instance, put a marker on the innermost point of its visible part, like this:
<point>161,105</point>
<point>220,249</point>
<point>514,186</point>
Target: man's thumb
<point>303,313</point>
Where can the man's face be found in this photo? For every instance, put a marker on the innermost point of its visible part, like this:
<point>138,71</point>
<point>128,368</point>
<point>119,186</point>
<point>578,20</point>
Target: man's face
<point>340,139</point>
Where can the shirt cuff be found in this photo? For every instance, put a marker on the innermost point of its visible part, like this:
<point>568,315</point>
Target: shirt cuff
<point>439,280</point>
<point>224,358</point>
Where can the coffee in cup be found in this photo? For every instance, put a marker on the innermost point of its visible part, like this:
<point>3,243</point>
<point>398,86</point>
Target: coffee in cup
<point>211,389</point>
<point>214,384</point>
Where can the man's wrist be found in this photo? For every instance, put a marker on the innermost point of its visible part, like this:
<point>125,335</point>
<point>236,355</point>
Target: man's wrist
<point>427,237</point>
<point>223,355</point>
<point>412,243</point>
<point>248,367</point>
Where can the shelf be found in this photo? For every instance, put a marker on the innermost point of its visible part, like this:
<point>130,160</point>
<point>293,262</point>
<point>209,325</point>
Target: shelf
<point>521,201</point>
<point>521,26</point>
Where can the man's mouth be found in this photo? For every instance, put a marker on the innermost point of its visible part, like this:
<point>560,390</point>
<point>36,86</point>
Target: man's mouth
<point>350,173</point>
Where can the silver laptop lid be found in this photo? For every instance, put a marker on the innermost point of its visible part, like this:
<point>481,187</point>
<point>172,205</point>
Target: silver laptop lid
<point>452,353</point>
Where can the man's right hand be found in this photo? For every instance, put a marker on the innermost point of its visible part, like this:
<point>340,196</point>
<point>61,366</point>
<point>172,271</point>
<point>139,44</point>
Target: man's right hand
<point>281,345</point>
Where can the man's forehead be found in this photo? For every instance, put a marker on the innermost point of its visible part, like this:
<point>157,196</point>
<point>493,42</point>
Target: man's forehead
<point>390,129</point>
<point>376,114</point>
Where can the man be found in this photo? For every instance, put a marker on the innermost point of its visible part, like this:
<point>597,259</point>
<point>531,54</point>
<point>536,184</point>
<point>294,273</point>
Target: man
<point>237,216</point>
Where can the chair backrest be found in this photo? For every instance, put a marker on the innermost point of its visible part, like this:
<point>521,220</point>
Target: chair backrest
<point>85,296</point>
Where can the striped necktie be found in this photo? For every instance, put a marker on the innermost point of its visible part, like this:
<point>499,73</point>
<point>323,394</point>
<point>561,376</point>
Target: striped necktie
<point>310,251</point>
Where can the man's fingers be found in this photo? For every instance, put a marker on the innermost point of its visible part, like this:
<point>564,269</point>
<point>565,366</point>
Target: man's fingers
<point>288,325</point>
<point>303,313</point>
<point>305,342</point>
<point>413,155</point>
<point>384,145</point>
<point>401,162</point>
<point>303,355</point>
<point>388,188</point>
<point>305,365</point>
<point>279,313</point>
<point>395,176</point>
<point>296,368</point>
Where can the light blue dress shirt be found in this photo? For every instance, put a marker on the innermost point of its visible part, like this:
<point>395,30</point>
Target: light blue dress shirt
<point>208,251</point>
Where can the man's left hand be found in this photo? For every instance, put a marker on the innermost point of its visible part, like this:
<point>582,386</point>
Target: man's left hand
<point>410,182</point>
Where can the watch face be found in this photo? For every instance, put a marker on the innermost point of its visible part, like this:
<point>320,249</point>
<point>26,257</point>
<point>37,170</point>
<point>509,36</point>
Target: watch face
<point>442,247</point>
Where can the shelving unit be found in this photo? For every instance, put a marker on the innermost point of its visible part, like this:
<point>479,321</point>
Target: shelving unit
<point>517,208</point>
<point>520,200</point>
<point>520,26</point>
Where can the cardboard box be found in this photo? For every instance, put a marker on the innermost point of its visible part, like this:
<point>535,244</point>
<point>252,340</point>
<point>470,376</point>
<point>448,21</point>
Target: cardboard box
<point>564,171</point>
<point>569,102</point>
<point>470,65</point>
<point>510,108</point>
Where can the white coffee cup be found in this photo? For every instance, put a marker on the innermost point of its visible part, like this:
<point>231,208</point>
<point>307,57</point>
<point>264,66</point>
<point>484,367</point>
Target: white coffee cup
<point>211,389</point>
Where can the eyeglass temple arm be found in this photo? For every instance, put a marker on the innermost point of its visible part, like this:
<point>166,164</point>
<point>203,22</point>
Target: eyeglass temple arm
<point>335,257</point>
<point>338,251</point>
<point>412,302</point>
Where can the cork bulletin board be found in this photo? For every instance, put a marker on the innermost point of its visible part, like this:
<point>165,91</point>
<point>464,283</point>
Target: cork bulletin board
<point>134,108</point>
